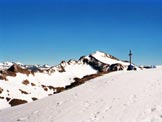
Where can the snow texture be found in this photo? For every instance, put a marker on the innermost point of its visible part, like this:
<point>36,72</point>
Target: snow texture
<point>124,96</point>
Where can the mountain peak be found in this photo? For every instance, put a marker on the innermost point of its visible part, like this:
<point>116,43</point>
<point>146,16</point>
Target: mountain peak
<point>104,57</point>
<point>33,82</point>
<point>100,54</point>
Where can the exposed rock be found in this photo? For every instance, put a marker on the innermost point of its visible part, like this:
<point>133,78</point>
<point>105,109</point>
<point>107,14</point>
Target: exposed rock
<point>1,97</point>
<point>25,82</point>
<point>34,98</point>
<point>23,92</point>
<point>85,61</point>
<point>91,61</point>
<point>44,87</point>
<point>60,68</point>
<point>18,69</point>
<point>51,88</point>
<point>71,62</point>
<point>3,77</point>
<point>79,81</point>
<point>33,84</point>
<point>116,67</point>
<point>59,89</point>
<point>1,90</point>
<point>55,89</point>
<point>34,69</point>
<point>5,73</point>
<point>149,67</point>
<point>15,102</point>
<point>63,63</point>
<point>8,99</point>
<point>96,64</point>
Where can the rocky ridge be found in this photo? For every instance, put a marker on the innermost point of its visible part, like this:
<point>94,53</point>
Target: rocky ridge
<point>25,83</point>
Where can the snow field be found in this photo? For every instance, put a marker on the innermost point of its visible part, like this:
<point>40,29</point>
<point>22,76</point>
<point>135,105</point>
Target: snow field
<point>116,97</point>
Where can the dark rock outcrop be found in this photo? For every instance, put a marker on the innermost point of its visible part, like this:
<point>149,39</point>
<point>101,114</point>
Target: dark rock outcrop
<point>34,98</point>
<point>79,81</point>
<point>34,69</point>
<point>3,77</point>
<point>116,67</point>
<point>15,102</point>
<point>96,64</point>
<point>25,82</point>
<point>18,69</point>
<point>1,90</point>
<point>23,92</point>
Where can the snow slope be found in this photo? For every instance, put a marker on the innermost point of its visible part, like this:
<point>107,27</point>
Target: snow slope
<point>37,85</point>
<point>31,82</point>
<point>116,97</point>
<point>108,59</point>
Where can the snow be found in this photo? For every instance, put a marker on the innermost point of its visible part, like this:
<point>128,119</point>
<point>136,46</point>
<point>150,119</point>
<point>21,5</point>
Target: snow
<point>105,58</point>
<point>12,88</point>
<point>46,66</point>
<point>19,63</point>
<point>5,65</point>
<point>159,66</point>
<point>124,96</point>
<point>8,63</point>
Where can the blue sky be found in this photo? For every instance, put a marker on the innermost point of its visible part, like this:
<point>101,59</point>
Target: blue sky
<point>49,31</point>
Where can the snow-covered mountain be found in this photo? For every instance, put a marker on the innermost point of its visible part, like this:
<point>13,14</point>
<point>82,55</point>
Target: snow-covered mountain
<point>5,65</point>
<point>21,83</point>
<point>116,97</point>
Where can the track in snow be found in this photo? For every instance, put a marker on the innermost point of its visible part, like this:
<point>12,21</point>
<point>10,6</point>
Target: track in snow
<point>115,97</point>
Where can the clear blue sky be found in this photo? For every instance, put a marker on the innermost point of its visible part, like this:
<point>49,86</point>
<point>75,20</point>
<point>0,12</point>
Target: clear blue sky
<point>48,31</point>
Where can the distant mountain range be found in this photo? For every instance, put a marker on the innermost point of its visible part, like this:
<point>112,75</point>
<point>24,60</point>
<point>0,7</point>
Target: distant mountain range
<point>21,83</point>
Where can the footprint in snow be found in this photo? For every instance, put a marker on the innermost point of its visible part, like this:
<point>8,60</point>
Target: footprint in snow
<point>155,118</point>
<point>153,109</point>
<point>94,117</point>
<point>153,114</point>
<point>59,103</point>
<point>132,99</point>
